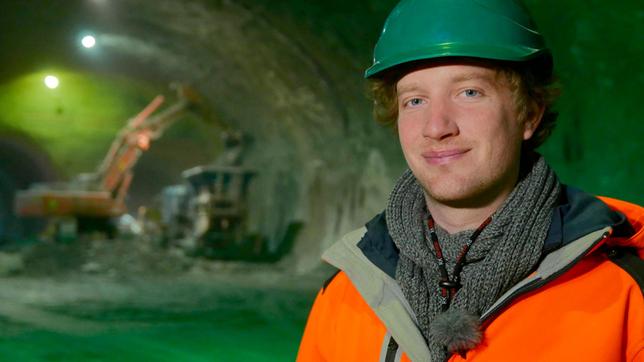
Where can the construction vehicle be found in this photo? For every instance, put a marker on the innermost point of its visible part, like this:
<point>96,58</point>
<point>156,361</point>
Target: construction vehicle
<point>207,214</point>
<point>90,200</point>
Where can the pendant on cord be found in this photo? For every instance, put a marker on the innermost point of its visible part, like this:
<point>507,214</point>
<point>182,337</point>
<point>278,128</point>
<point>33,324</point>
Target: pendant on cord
<point>450,285</point>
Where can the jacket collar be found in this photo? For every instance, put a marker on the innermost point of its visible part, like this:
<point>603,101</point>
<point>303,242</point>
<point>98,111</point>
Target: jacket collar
<point>579,214</point>
<point>381,292</point>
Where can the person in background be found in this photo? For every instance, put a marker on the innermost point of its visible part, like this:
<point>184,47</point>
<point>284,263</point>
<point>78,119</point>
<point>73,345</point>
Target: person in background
<point>481,254</point>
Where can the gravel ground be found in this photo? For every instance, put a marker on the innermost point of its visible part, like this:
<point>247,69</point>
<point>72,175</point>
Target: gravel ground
<point>90,276</point>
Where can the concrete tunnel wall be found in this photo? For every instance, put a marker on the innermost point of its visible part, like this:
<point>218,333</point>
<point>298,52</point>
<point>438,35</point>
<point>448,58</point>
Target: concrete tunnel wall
<point>288,73</point>
<point>302,119</point>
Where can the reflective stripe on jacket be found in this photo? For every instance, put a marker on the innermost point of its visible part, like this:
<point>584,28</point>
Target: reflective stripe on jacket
<point>584,301</point>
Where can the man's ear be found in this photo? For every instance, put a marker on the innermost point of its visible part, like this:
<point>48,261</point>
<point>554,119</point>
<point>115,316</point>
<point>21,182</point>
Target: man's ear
<point>532,120</point>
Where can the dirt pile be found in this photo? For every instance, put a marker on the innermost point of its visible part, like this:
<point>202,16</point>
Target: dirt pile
<point>118,257</point>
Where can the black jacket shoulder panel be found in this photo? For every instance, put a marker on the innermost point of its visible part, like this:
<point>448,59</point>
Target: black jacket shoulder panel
<point>627,259</point>
<point>378,246</point>
<point>578,214</point>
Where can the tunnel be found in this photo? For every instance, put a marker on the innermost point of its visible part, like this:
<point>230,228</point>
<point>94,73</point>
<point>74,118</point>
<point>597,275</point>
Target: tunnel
<point>288,76</point>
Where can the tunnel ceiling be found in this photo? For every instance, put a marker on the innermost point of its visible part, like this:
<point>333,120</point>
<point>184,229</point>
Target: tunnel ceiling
<point>288,74</point>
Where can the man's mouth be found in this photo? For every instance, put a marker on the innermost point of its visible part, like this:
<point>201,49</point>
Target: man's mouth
<point>441,157</point>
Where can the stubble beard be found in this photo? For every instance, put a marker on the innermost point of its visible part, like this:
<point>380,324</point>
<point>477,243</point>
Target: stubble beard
<point>464,193</point>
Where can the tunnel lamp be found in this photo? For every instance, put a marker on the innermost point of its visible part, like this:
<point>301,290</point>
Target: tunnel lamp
<point>88,41</point>
<point>51,82</point>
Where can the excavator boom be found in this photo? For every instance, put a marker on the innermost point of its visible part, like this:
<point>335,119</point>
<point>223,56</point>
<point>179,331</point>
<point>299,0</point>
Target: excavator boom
<point>102,193</point>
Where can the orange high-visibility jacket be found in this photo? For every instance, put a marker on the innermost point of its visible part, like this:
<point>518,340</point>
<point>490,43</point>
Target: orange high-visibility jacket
<point>583,302</point>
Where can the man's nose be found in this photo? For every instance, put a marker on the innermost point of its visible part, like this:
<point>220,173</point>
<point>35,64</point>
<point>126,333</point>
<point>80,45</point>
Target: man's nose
<point>439,121</point>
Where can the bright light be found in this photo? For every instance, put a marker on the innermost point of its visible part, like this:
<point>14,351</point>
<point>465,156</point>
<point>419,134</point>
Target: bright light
<point>51,82</point>
<point>88,41</point>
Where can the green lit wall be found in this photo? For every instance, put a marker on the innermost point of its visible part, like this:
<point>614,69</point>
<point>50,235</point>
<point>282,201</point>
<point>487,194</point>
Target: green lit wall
<point>598,47</point>
<point>75,122</point>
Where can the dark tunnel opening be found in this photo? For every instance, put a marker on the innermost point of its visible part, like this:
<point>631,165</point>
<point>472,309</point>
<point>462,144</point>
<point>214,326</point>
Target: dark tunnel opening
<point>23,163</point>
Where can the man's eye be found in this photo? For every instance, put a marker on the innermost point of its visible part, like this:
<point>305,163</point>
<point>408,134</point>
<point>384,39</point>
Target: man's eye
<point>414,102</point>
<point>471,93</point>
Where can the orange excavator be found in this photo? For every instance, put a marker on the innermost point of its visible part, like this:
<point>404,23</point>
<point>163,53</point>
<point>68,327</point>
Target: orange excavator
<point>95,198</point>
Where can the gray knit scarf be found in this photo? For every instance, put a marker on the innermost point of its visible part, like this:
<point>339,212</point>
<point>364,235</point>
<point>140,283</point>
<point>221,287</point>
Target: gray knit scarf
<point>504,253</point>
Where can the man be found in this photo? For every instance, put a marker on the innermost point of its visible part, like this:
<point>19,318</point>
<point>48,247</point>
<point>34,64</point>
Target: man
<point>481,254</point>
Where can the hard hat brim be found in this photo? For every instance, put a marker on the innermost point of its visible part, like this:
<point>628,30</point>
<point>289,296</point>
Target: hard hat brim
<point>447,50</point>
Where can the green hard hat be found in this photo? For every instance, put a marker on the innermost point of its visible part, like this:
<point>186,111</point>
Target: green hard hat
<point>487,29</point>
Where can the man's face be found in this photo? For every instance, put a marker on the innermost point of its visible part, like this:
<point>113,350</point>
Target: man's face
<point>460,134</point>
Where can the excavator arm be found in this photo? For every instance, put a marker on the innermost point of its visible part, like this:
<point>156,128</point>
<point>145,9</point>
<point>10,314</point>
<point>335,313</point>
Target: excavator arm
<point>102,193</point>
